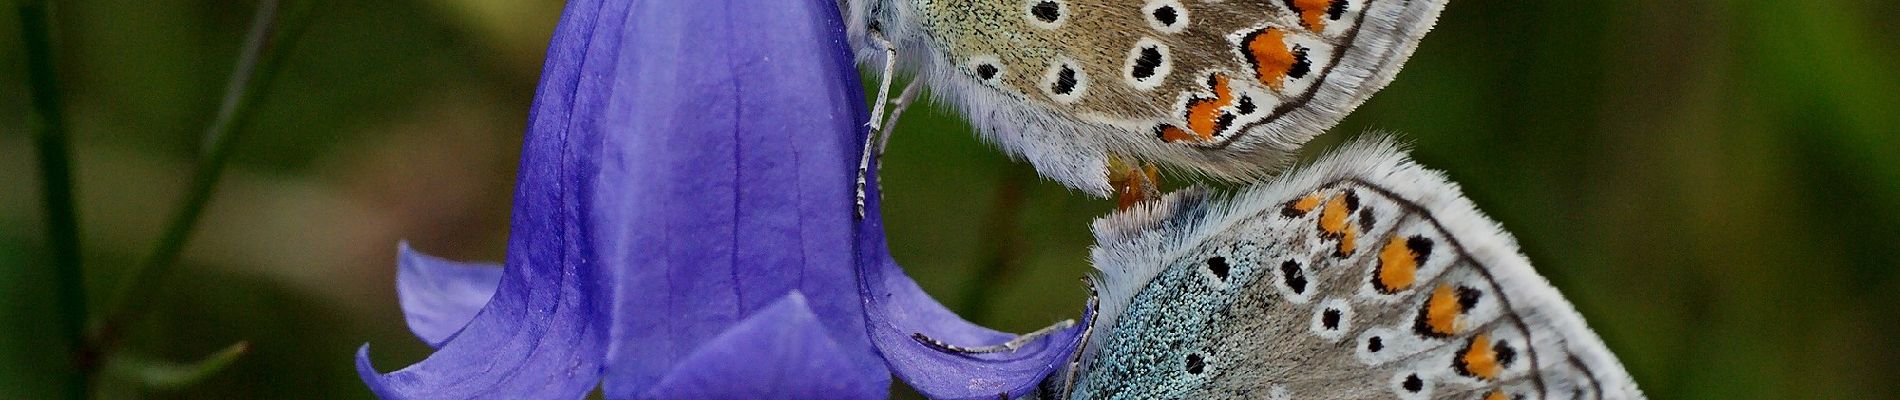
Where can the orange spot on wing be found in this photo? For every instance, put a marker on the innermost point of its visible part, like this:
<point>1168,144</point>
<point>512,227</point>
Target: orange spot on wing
<point>1204,113</point>
<point>1272,58</point>
<point>1348,243</point>
<point>1332,220</point>
<point>1479,359</point>
<point>1398,266</point>
<point>1312,13</point>
<point>1306,204</point>
<point>1442,311</point>
<point>1171,134</point>
<point>1496,395</point>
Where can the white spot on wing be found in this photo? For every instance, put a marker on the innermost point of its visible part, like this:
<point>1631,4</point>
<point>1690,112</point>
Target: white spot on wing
<point>1424,381</point>
<point>1062,14</point>
<point>1180,16</point>
<point>1154,78</point>
<point>1052,76</point>
<point>1345,319</point>
<point>976,63</point>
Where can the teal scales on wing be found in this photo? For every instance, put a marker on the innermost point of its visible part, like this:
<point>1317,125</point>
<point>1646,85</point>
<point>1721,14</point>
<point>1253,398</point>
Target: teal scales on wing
<point>1361,276</point>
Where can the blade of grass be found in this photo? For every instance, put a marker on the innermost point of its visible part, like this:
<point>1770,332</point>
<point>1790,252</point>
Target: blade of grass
<point>48,125</point>
<point>166,375</point>
<point>265,49</point>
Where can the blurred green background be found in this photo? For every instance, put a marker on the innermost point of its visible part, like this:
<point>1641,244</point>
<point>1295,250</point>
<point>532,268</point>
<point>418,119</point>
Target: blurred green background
<point>1715,184</point>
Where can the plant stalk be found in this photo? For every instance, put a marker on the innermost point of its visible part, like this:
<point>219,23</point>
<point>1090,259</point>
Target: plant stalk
<point>47,122</point>
<point>257,65</point>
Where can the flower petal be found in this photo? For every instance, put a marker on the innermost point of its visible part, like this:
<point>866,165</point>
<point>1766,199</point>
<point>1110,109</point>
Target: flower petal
<point>782,351</point>
<point>440,296</point>
<point>897,310</point>
<point>542,333</point>
<point>733,132</point>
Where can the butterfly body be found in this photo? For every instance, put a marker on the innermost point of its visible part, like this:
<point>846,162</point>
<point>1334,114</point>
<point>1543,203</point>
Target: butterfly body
<point>1364,276</point>
<point>1224,88</point>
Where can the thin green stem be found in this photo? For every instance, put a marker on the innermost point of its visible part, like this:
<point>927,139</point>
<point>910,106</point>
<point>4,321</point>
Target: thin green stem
<point>166,375</point>
<point>256,67</point>
<point>48,124</point>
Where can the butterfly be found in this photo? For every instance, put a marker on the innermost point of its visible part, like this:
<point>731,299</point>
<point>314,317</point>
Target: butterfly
<point>1226,88</point>
<point>1363,275</point>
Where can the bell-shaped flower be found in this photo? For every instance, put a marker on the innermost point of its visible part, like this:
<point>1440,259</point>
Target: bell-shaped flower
<point>684,226</point>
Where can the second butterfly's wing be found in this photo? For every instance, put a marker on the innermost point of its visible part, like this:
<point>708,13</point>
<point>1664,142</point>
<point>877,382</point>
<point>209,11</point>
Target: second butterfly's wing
<point>1363,276</point>
<point>1225,88</point>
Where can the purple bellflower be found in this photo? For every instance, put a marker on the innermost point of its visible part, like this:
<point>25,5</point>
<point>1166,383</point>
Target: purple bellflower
<point>684,227</point>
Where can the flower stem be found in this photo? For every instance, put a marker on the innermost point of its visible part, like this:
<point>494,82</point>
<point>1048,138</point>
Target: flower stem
<point>48,124</point>
<point>244,90</point>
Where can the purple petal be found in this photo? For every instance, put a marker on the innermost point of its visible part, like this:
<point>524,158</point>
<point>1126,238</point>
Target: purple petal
<point>734,135</point>
<point>897,309</point>
<point>439,296</point>
<point>780,352</point>
<point>542,333</point>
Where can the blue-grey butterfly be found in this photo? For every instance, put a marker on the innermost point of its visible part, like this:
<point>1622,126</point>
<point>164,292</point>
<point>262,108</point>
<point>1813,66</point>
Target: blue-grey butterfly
<point>1226,88</point>
<point>1363,275</point>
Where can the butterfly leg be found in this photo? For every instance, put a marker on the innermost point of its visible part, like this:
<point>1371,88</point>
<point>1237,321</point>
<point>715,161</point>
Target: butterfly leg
<point>885,78</point>
<point>864,168</point>
<point>1025,339</point>
<point>1133,183</point>
<point>877,113</point>
<point>898,106</point>
<point>1011,345</point>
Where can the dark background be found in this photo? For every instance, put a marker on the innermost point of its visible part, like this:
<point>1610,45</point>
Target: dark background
<point>1715,184</point>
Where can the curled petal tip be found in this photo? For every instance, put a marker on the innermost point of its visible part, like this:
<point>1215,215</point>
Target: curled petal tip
<point>440,296</point>
<point>940,354</point>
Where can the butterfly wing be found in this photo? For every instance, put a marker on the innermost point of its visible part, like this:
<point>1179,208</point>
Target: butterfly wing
<point>1362,276</point>
<point>1226,88</point>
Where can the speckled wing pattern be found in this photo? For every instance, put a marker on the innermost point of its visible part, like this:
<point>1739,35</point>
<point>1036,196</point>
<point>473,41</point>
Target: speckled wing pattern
<point>1362,276</point>
<point>1226,88</point>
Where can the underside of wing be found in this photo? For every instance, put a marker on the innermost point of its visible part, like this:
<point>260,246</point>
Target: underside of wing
<point>1361,276</point>
<point>1228,89</point>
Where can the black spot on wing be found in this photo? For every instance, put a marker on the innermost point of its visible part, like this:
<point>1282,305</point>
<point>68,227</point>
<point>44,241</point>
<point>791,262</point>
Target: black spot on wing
<point>1468,297</point>
<point>1288,209</point>
<point>1422,246</point>
<point>1146,64</point>
<point>1047,11</point>
<point>1166,15</point>
<point>1065,81</point>
<point>1505,353</point>
<point>1301,64</point>
<point>1413,383</point>
<point>1294,278</point>
<point>1218,265</point>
